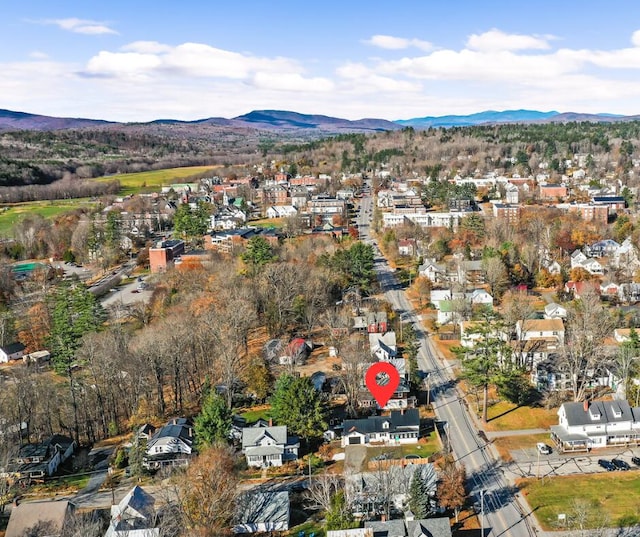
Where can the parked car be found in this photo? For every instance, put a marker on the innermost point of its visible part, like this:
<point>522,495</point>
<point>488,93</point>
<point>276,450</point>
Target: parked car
<point>607,465</point>
<point>635,460</point>
<point>543,448</point>
<point>620,464</point>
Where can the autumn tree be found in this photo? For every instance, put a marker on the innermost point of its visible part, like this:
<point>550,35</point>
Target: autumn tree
<point>207,493</point>
<point>452,492</point>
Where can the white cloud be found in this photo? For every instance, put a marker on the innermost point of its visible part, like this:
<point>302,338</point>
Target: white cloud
<point>635,38</point>
<point>292,82</point>
<point>367,80</point>
<point>81,26</point>
<point>390,42</point>
<point>496,40</point>
<point>38,55</point>
<point>121,64</point>
<point>146,47</point>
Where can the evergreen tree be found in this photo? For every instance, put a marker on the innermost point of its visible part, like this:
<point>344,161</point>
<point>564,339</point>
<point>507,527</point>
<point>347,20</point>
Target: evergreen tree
<point>213,423</point>
<point>298,405</point>
<point>418,496</point>
<point>339,515</point>
<point>257,254</point>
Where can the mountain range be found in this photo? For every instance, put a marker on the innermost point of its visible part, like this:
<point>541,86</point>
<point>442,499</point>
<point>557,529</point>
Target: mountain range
<point>284,121</point>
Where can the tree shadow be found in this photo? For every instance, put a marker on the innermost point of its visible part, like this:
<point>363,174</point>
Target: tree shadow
<point>504,413</point>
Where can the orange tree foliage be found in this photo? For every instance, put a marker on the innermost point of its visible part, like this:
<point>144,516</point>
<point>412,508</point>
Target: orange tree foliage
<point>34,330</point>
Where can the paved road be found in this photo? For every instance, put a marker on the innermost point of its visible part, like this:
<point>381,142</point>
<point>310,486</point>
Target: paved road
<point>503,513</point>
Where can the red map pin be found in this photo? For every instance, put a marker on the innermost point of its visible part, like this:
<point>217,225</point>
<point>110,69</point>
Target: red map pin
<point>382,379</point>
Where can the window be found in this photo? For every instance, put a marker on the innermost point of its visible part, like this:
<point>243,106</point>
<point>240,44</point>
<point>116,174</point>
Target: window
<point>385,425</point>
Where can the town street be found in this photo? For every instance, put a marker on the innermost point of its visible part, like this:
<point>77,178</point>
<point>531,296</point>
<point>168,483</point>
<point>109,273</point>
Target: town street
<point>496,500</point>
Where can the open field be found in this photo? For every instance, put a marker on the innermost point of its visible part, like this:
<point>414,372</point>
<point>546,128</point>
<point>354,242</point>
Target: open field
<point>615,493</point>
<point>504,416</point>
<point>11,214</point>
<point>132,183</point>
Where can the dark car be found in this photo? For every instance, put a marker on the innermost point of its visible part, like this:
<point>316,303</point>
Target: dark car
<point>635,460</point>
<point>620,464</point>
<point>607,465</point>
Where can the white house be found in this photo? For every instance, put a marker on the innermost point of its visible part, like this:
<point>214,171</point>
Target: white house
<point>480,296</point>
<point>555,311</point>
<point>14,351</point>
<point>269,446</point>
<point>540,328</point>
<point>383,346</point>
<point>435,272</point>
<point>281,211</point>
<point>400,427</point>
<point>134,516</point>
<point>171,444</point>
<point>596,424</point>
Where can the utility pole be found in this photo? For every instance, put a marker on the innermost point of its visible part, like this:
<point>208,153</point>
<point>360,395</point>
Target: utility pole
<point>482,513</point>
<point>538,467</point>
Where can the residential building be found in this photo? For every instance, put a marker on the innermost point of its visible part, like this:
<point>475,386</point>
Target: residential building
<point>269,446</point>
<point>552,191</point>
<point>53,515</point>
<point>596,424</point>
<point>531,329</point>
<point>555,311</point>
<point>134,516</point>
<point>400,427</point>
<point>171,445</point>
<point>13,351</point>
<point>507,212</point>
<point>263,511</point>
<point>407,247</point>
<point>42,459</point>
<point>428,219</point>
<point>428,527</point>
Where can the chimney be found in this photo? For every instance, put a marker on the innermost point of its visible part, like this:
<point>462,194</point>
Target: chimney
<point>270,422</point>
<point>585,405</point>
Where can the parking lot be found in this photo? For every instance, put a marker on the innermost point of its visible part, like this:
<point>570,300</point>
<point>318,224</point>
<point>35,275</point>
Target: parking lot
<point>530,463</point>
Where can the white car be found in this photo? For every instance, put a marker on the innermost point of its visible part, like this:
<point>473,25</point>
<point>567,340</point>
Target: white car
<point>543,448</point>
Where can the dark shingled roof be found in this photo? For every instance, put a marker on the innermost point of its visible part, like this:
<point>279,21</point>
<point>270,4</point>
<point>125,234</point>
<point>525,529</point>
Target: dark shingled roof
<point>398,421</point>
<point>609,412</point>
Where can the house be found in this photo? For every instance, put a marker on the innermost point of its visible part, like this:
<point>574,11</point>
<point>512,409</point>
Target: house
<point>480,297</point>
<point>296,352</point>
<point>281,211</point>
<point>400,427</point>
<point>596,424</point>
<point>547,375</point>
<point>383,346</point>
<point>263,511</point>
<point>134,516</point>
<point>540,328</point>
<point>609,289</point>
<point>624,334</point>
<point>428,527</point>
<point>40,518</point>
<point>364,488</point>
<point>579,288</point>
<point>269,446</point>
<point>555,311</point>
<point>577,258</point>
<point>377,322</point>
<point>42,459</point>
<point>170,445</point>
<point>603,248</point>
<point>14,351</point>
<point>435,272</point>
<point>407,247</point>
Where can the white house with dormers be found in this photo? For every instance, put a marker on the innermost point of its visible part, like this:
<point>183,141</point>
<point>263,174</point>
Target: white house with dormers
<point>400,427</point>
<point>170,445</point>
<point>555,311</point>
<point>596,424</point>
<point>269,446</point>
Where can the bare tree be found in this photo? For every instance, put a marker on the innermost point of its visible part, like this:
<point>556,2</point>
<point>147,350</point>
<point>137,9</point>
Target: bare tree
<point>321,490</point>
<point>588,324</point>
<point>355,361</point>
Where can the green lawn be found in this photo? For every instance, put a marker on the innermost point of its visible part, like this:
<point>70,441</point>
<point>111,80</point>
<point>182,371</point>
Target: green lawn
<point>616,494</point>
<point>252,416</point>
<point>12,214</point>
<point>506,416</point>
<point>428,446</point>
<point>132,183</point>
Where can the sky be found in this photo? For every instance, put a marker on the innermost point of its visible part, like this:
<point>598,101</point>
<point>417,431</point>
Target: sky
<point>139,60</point>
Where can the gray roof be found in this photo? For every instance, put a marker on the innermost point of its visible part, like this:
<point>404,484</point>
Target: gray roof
<point>577,415</point>
<point>263,507</point>
<point>250,435</point>
<point>51,515</point>
<point>264,450</point>
<point>389,528</point>
<point>398,421</point>
<point>430,527</point>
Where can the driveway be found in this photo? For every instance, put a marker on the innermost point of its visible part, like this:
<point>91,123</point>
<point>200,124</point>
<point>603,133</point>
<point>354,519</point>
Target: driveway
<point>354,457</point>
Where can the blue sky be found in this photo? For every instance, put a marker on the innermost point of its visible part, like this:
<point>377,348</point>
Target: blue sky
<point>143,60</point>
